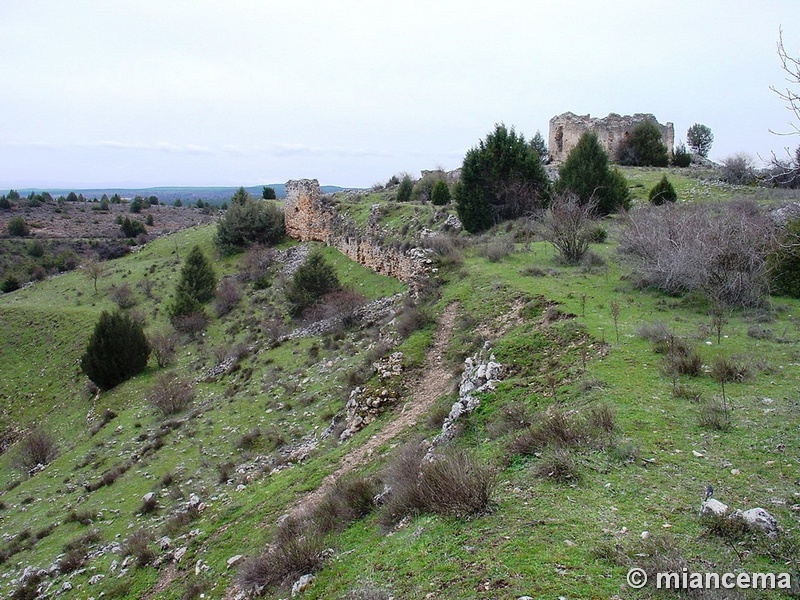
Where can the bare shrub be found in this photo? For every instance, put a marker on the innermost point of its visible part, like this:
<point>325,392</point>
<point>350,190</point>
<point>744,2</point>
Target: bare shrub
<point>445,250</point>
<point>730,370</point>
<point>496,249</point>
<point>760,333</point>
<point>170,394</point>
<point>249,440</point>
<point>456,484</point>
<point>287,560</point>
<point>655,332</point>
<point>512,417</point>
<point>163,347</point>
<point>122,295</point>
<point>367,592</point>
<point>682,363</point>
<point>256,264</point>
<point>558,464</point>
<point>347,501</point>
<point>738,169</point>
<point>225,471</point>
<point>179,521</point>
<point>228,296</point>
<point>569,226</point>
<point>149,505</point>
<point>342,304</point>
<point>35,449</point>
<point>413,318</point>
<point>139,546</point>
<point>145,284</point>
<point>714,415</point>
<point>71,561</point>
<point>402,477</point>
<point>191,324</point>
<point>84,517</point>
<point>717,250</point>
<point>274,328</point>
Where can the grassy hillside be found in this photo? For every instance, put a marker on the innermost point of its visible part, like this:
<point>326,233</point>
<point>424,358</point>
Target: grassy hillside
<point>600,457</point>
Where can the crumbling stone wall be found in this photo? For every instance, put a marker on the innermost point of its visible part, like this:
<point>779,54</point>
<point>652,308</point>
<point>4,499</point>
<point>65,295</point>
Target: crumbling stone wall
<point>310,217</point>
<point>566,130</point>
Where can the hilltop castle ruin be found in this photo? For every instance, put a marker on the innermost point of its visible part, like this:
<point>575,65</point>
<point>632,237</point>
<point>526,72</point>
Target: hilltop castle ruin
<point>566,130</point>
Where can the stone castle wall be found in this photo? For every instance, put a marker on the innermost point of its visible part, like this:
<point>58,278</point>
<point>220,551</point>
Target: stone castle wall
<point>566,130</point>
<point>310,217</point>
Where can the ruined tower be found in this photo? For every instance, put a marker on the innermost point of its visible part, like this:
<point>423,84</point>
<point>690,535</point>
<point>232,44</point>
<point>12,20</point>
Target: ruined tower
<point>566,130</point>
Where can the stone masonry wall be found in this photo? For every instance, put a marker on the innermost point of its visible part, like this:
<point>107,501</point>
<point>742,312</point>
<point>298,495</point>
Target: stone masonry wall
<point>566,130</point>
<point>309,217</point>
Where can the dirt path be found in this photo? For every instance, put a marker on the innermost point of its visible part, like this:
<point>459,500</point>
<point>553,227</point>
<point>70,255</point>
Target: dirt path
<point>434,382</point>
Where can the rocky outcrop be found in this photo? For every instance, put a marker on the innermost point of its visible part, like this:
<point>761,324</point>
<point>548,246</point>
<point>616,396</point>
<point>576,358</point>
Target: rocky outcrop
<point>567,129</point>
<point>481,374</point>
<point>365,404</point>
<point>310,216</point>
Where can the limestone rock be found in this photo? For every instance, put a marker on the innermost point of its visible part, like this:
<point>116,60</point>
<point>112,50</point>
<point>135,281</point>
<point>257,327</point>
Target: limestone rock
<point>712,506</point>
<point>760,519</point>
<point>302,584</point>
<point>233,560</point>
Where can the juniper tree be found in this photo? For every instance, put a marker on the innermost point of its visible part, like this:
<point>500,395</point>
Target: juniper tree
<point>501,178</point>
<point>312,280</point>
<point>586,173</point>
<point>440,193</point>
<point>117,350</point>
<point>662,192</point>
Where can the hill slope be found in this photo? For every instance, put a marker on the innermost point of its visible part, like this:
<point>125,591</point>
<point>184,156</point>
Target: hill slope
<point>591,444</point>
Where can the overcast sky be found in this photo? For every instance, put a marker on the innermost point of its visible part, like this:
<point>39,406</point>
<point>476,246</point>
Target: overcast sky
<point>244,92</point>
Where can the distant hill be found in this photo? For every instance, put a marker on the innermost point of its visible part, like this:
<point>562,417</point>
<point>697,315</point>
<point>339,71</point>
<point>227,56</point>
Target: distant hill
<point>214,195</point>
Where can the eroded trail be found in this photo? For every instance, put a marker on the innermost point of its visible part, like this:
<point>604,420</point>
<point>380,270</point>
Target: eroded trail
<point>433,383</point>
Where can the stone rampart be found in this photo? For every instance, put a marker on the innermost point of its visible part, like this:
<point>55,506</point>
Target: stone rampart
<point>311,217</point>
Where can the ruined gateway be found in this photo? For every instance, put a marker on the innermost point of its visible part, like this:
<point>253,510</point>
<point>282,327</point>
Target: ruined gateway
<point>566,130</point>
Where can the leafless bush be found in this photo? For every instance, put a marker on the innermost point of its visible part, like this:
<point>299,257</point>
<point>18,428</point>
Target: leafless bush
<point>163,347</point>
<point>714,415</point>
<point>655,332</point>
<point>738,169</point>
<point>146,285</point>
<point>496,249</point>
<point>682,360</point>
<point>726,369</point>
<point>35,449</point>
<point>347,501</point>
<point>191,324</point>
<point>367,593</point>
<point>558,464</point>
<point>717,250</point>
<point>413,318</point>
<point>170,394</point>
<point>273,328</point>
<point>569,226</point>
<point>71,561</point>
<point>228,296</point>
<point>287,560</point>
<point>456,484</point>
<point>340,303</point>
<point>138,545</point>
<point>122,295</point>
<point>760,333</point>
<point>256,264</point>
<point>402,477</point>
<point>445,250</point>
